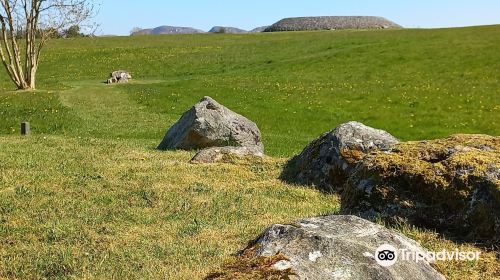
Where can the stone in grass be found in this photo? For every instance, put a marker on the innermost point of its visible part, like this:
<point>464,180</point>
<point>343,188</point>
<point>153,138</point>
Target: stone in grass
<point>449,185</point>
<point>220,154</point>
<point>120,76</point>
<point>327,161</point>
<point>209,124</point>
<point>329,247</point>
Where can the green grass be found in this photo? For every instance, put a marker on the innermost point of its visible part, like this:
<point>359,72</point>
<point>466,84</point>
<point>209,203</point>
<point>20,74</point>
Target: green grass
<point>417,84</point>
<point>109,209</point>
<point>87,196</point>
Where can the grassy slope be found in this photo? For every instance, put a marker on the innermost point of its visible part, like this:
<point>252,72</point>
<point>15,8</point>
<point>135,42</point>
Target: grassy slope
<point>417,84</point>
<point>91,208</point>
<point>89,197</point>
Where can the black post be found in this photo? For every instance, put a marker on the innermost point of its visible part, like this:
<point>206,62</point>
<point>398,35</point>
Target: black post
<point>25,128</point>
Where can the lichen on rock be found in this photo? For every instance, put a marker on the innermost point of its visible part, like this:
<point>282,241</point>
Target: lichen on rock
<point>328,247</point>
<point>451,185</point>
<point>211,126</point>
<point>327,161</point>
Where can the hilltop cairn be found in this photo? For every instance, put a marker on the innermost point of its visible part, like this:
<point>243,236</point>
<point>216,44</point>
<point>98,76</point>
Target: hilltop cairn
<point>119,76</point>
<point>218,131</point>
<point>331,23</point>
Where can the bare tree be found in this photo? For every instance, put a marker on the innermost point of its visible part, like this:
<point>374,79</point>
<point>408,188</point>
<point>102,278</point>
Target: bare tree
<point>34,22</point>
<point>135,30</point>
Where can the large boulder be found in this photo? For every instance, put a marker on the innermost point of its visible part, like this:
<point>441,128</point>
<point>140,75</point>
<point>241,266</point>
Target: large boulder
<point>327,161</point>
<point>450,185</point>
<point>120,76</point>
<point>209,124</point>
<point>330,247</point>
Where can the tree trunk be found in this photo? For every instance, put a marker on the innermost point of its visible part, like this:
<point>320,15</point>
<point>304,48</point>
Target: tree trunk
<point>32,78</point>
<point>38,21</point>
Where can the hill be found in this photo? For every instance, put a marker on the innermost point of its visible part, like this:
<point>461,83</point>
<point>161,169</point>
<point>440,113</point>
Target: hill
<point>331,23</point>
<point>167,30</point>
<point>226,29</point>
<point>259,29</point>
<point>346,75</point>
<point>87,196</point>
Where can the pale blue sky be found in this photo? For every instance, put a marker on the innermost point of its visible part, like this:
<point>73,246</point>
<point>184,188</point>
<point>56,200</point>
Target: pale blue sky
<point>119,17</point>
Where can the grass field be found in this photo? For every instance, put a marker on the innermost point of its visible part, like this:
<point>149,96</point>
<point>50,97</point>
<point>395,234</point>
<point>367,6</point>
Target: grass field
<point>417,84</point>
<point>87,196</point>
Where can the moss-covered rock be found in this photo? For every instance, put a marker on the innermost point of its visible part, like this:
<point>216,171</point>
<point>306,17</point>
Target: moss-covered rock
<point>248,266</point>
<point>451,185</point>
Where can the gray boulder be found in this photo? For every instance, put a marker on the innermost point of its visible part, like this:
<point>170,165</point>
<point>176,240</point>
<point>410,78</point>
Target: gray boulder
<point>332,247</point>
<point>449,185</point>
<point>209,124</point>
<point>120,76</point>
<point>218,154</point>
<point>327,161</point>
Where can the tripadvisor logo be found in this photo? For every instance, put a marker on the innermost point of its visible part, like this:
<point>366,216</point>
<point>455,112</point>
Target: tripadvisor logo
<point>387,255</point>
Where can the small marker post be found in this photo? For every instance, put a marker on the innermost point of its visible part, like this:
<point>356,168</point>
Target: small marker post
<point>25,128</point>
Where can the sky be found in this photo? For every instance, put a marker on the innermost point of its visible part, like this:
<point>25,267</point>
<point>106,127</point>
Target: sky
<point>119,17</point>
